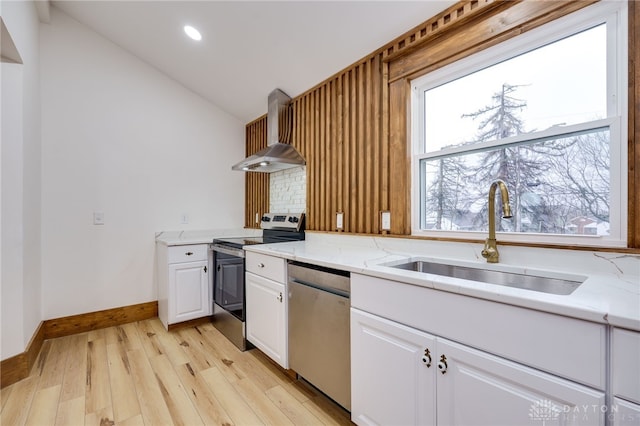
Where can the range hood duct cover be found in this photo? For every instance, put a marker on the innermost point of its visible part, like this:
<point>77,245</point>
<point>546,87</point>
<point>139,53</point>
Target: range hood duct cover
<point>279,153</point>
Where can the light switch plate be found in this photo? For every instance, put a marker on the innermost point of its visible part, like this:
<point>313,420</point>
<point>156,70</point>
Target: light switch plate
<point>385,220</point>
<point>98,218</point>
<point>339,220</point>
<point>184,218</point>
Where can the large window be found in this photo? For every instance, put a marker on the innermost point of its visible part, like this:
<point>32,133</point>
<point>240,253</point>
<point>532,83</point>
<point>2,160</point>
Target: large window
<point>546,114</point>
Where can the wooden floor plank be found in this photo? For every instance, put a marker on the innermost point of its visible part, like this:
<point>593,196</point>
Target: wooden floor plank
<point>263,372</point>
<point>75,372</point>
<point>224,352</point>
<point>70,412</point>
<point>175,396</point>
<point>98,390</point>
<point>101,417</point>
<point>328,412</point>
<point>41,360</point>
<point>44,407</point>
<point>291,407</point>
<point>97,334</point>
<point>123,391</point>
<point>17,406</point>
<point>133,421</point>
<point>264,407</point>
<point>196,348</point>
<point>232,401</point>
<point>210,409</point>
<point>129,337</point>
<point>149,339</point>
<point>170,344</point>
<point>4,396</point>
<point>52,372</point>
<point>152,405</point>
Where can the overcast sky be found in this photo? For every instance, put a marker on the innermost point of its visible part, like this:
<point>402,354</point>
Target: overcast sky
<point>564,82</point>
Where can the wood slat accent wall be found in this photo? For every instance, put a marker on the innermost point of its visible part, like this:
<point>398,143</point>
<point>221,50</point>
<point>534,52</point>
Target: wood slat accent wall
<point>256,185</point>
<point>338,129</point>
<point>634,126</point>
<point>457,14</point>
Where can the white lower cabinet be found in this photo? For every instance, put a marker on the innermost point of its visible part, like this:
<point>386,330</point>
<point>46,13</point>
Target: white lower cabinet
<point>189,289</point>
<point>625,377</point>
<point>401,375</point>
<point>625,364</point>
<point>266,316</point>
<point>184,286</point>
<point>474,387</point>
<point>624,413</point>
<point>392,373</point>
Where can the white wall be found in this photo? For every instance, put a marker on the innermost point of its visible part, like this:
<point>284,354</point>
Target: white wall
<point>20,258</point>
<point>121,138</point>
<point>288,190</point>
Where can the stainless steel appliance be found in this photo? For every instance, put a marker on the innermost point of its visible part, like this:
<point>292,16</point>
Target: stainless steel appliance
<point>279,153</point>
<point>228,279</point>
<point>319,328</point>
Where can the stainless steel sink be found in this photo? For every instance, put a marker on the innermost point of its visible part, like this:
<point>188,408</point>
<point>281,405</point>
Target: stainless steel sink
<point>527,282</point>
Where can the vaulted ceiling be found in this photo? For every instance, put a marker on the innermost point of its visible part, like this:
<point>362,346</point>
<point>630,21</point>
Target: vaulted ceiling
<point>248,48</point>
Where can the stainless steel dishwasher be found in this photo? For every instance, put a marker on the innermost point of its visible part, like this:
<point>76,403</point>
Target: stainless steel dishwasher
<point>319,328</point>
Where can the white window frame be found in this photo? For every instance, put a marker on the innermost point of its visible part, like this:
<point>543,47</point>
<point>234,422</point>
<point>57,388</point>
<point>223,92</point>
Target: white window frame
<point>614,14</point>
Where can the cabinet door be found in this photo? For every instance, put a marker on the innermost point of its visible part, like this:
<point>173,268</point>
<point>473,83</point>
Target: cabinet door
<point>481,389</point>
<point>266,317</point>
<point>189,287</point>
<point>393,371</point>
<point>625,364</point>
<point>624,413</point>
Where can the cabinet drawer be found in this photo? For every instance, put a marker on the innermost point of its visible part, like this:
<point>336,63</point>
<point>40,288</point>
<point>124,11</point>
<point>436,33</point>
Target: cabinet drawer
<point>266,266</point>
<point>190,253</point>
<point>625,353</point>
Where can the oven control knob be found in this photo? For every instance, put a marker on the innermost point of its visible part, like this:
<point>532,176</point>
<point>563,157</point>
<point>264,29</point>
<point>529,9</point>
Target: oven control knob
<point>266,219</point>
<point>293,219</point>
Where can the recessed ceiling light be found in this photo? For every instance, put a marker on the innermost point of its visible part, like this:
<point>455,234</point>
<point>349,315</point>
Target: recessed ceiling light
<point>192,33</point>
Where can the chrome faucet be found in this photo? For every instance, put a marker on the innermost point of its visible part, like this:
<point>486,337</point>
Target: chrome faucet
<point>490,251</point>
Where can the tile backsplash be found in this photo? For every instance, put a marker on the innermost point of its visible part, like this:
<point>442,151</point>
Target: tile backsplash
<point>288,190</point>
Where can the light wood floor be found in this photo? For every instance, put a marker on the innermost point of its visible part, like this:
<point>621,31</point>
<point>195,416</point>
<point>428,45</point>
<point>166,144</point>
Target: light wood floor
<point>140,374</point>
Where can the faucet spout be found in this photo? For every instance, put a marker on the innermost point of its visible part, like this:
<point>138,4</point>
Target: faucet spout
<point>490,251</point>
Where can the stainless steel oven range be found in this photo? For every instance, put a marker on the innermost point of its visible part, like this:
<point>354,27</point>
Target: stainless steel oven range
<point>228,278</point>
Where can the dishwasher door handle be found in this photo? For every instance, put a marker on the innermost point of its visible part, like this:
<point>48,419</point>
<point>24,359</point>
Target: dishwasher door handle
<point>331,290</point>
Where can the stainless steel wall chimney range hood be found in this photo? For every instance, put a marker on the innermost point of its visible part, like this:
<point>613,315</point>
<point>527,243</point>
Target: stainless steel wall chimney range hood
<point>279,153</point>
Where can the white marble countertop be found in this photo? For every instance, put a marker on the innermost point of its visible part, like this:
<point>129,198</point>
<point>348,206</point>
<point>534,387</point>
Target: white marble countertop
<point>179,238</point>
<point>610,293</point>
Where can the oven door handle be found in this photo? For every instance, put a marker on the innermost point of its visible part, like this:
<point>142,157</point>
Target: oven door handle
<point>228,250</point>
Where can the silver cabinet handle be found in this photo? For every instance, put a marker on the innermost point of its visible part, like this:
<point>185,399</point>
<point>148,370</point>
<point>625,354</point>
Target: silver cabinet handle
<point>189,253</point>
<point>260,265</point>
<point>280,297</point>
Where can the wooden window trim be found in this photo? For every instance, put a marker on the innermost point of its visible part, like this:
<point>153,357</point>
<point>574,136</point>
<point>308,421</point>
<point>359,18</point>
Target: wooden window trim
<point>490,29</point>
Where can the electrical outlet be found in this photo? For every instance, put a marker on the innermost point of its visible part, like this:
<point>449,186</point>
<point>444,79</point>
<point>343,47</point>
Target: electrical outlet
<point>184,218</point>
<point>339,220</point>
<point>257,217</point>
<point>385,220</point>
<point>98,218</point>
